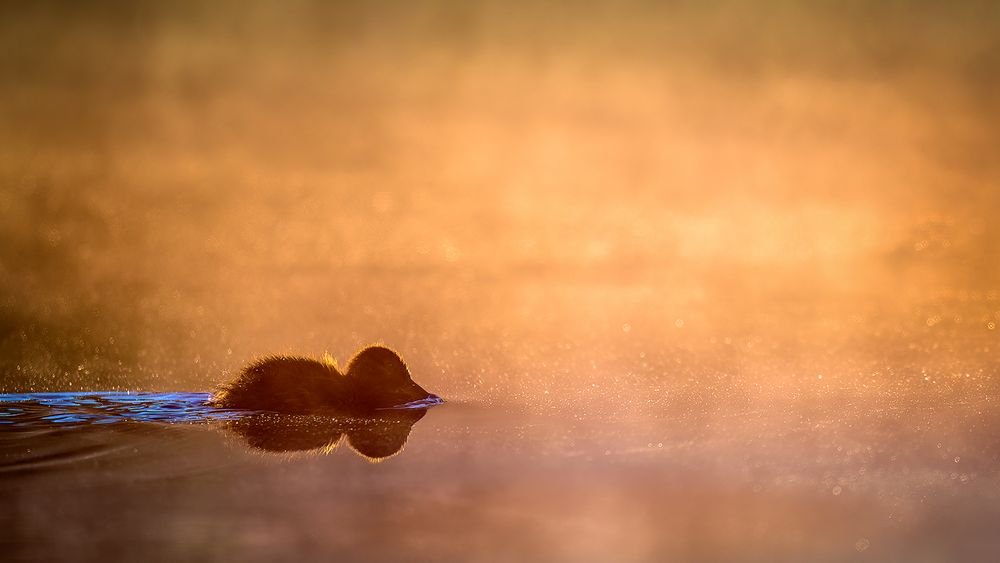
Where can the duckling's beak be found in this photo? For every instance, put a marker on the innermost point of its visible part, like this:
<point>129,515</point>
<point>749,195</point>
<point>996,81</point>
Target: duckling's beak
<point>429,401</point>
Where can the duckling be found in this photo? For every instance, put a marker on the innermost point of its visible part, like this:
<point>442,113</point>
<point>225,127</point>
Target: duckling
<point>376,378</point>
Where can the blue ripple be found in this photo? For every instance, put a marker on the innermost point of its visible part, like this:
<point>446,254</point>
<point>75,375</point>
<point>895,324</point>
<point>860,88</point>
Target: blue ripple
<point>84,408</point>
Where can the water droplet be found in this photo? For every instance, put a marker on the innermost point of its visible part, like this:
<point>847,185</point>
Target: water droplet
<point>451,253</point>
<point>862,544</point>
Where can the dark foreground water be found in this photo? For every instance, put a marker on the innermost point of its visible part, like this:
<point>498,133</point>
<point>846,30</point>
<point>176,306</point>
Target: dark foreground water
<point>115,476</point>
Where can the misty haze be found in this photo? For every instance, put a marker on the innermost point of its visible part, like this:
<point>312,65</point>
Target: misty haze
<point>696,281</point>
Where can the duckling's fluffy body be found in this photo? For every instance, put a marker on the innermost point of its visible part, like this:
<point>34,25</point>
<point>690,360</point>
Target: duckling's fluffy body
<point>375,378</point>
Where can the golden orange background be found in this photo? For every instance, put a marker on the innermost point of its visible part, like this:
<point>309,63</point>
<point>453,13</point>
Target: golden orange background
<point>725,269</point>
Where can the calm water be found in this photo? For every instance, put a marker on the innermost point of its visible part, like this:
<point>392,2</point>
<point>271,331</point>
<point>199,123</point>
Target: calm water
<point>834,476</point>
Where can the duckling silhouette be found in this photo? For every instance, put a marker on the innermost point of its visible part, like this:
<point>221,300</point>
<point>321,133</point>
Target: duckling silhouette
<point>376,378</point>
<point>374,438</point>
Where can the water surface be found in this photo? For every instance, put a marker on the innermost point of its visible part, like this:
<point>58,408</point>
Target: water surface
<point>835,478</point>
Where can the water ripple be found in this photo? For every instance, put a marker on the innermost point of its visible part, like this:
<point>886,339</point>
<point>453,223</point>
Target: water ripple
<point>57,409</point>
<point>41,432</point>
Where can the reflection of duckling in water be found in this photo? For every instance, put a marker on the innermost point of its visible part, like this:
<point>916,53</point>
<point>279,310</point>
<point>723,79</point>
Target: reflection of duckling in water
<point>376,378</point>
<point>375,438</point>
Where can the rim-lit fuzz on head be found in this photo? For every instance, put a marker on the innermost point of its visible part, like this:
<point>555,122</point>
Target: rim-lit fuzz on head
<point>380,378</point>
<point>376,378</point>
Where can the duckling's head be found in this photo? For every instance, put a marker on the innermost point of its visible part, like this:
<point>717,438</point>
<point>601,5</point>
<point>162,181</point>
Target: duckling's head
<point>381,379</point>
